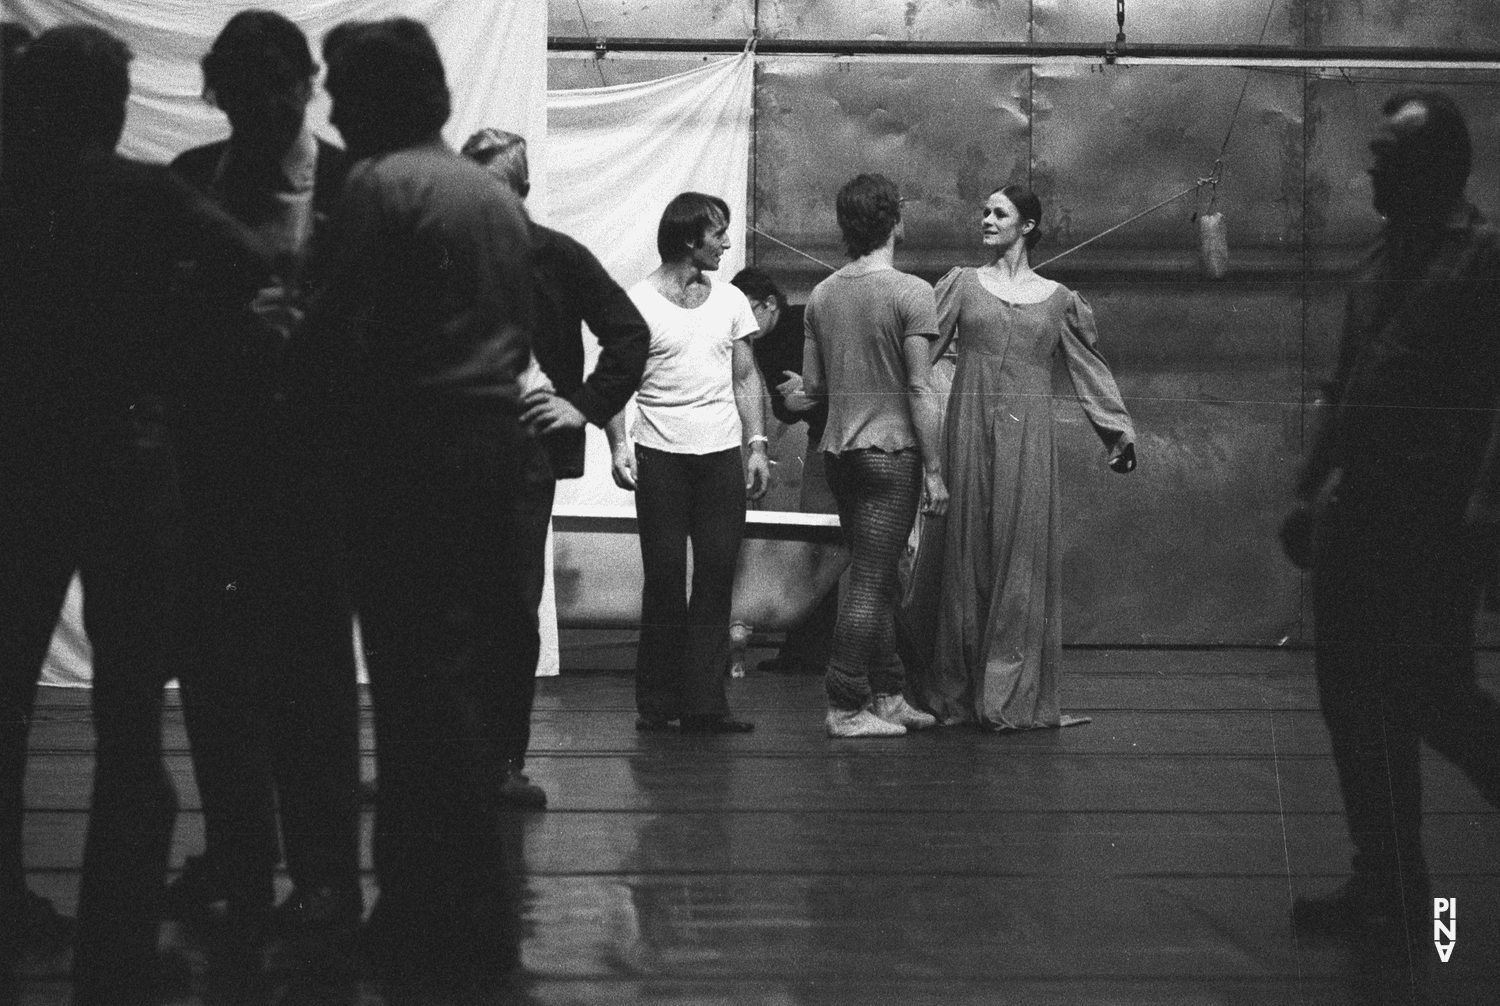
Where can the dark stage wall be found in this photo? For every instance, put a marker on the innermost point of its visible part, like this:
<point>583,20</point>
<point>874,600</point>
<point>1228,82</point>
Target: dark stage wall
<point>1217,374</point>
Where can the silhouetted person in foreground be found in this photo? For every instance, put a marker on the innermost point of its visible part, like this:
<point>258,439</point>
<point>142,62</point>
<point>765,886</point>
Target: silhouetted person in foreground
<point>570,288</point>
<point>1397,514</point>
<point>270,697</point>
<point>88,478</point>
<point>427,315</point>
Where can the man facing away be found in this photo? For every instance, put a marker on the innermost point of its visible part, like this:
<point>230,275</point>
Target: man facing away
<point>570,288</point>
<point>1398,507</point>
<point>426,319</point>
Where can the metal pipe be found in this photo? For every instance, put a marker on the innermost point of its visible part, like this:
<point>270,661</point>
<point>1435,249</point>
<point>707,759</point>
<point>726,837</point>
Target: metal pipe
<point>1371,57</point>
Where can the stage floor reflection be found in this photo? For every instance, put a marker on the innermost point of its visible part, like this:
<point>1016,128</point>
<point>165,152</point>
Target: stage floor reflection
<point>1147,858</point>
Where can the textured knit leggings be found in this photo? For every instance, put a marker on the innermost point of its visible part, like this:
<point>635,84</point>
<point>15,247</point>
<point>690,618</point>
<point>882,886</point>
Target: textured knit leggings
<point>877,493</point>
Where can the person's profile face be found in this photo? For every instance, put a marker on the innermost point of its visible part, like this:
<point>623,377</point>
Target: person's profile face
<point>1396,172</point>
<point>1001,224</point>
<point>356,124</point>
<point>710,249</point>
<point>767,313</point>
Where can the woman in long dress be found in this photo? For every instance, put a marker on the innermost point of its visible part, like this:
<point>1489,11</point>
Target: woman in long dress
<point>998,651</point>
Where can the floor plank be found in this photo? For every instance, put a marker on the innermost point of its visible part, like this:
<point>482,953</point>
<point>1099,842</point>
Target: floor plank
<point>1149,857</point>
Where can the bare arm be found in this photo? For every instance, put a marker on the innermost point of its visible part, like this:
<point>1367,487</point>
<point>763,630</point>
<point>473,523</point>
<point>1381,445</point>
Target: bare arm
<point>927,420</point>
<point>622,457</point>
<point>750,399</point>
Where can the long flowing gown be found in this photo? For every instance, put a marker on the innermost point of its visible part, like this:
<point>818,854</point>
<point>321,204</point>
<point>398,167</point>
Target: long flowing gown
<point>998,650</point>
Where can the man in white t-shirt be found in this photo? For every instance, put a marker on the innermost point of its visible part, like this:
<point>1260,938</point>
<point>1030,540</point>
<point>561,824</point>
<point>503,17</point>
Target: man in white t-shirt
<point>700,399</point>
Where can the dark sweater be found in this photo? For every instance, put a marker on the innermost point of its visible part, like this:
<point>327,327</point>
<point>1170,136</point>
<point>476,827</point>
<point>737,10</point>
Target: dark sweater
<point>571,288</point>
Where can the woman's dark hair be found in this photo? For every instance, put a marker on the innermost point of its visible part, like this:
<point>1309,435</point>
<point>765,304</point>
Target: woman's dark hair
<point>1029,207</point>
<point>1441,144</point>
<point>258,55</point>
<point>71,86</point>
<point>685,222</point>
<point>869,208</point>
<point>390,74</point>
<point>758,285</point>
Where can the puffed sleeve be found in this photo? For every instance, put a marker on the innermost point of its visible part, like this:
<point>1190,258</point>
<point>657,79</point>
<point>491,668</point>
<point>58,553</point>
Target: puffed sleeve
<point>950,297</point>
<point>1092,382</point>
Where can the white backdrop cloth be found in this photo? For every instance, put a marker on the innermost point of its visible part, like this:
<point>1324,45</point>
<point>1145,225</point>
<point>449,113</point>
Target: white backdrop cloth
<point>616,157</point>
<point>494,51</point>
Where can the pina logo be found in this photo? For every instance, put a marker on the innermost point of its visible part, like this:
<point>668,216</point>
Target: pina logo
<point>1444,934</point>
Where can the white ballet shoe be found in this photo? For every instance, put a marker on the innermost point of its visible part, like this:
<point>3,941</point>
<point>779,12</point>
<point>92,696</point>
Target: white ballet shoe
<point>895,709</point>
<point>860,723</point>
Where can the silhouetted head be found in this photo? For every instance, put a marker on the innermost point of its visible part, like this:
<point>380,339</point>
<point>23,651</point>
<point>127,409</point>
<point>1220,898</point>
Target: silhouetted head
<point>68,97</point>
<point>260,73</point>
<point>1422,156</point>
<point>694,226</point>
<point>387,83</point>
<point>502,154</point>
<point>869,209</point>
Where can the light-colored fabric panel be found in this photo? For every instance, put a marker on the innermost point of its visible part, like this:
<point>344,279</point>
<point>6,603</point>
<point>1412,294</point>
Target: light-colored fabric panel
<point>495,53</point>
<point>617,157</point>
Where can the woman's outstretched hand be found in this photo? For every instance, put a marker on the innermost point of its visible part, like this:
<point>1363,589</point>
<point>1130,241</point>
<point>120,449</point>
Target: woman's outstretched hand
<point>1122,458</point>
<point>934,494</point>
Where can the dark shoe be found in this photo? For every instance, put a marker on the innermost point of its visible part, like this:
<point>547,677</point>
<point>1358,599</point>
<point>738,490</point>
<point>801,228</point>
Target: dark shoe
<point>654,725</point>
<point>235,974</point>
<point>46,932</point>
<point>165,977</point>
<point>196,895</point>
<point>1361,907</point>
<point>715,725</point>
<point>518,791</point>
<point>327,910</point>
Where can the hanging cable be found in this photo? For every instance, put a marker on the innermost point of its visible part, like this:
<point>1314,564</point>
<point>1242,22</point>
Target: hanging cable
<point>775,240</point>
<point>1088,241</point>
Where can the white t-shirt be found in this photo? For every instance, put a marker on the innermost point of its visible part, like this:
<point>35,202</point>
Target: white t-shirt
<point>686,399</point>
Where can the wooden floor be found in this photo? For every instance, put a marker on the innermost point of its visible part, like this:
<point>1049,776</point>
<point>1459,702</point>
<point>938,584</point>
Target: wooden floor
<point>1149,857</point>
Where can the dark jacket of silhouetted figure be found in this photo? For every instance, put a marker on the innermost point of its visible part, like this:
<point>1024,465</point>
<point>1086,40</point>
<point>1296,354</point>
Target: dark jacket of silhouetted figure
<point>87,472</point>
<point>428,312</point>
<point>1399,497</point>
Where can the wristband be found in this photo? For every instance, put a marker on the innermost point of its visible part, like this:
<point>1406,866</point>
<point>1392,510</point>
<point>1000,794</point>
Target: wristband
<point>762,438</point>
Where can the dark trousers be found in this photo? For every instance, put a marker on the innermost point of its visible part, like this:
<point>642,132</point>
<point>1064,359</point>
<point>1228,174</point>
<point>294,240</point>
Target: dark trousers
<point>440,589</point>
<point>270,696</point>
<point>537,489</point>
<point>1395,588</point>
<point>684,648</point>
<point>877,493</point>
<point>100,497</point>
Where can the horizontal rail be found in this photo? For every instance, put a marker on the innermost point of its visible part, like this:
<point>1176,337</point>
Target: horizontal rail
<point>1125,54</point>
<point>772,525</point>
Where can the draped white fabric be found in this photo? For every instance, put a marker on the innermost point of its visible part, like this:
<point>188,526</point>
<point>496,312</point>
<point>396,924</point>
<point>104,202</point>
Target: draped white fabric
<point>616,157</point>
<point>495,53</point>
